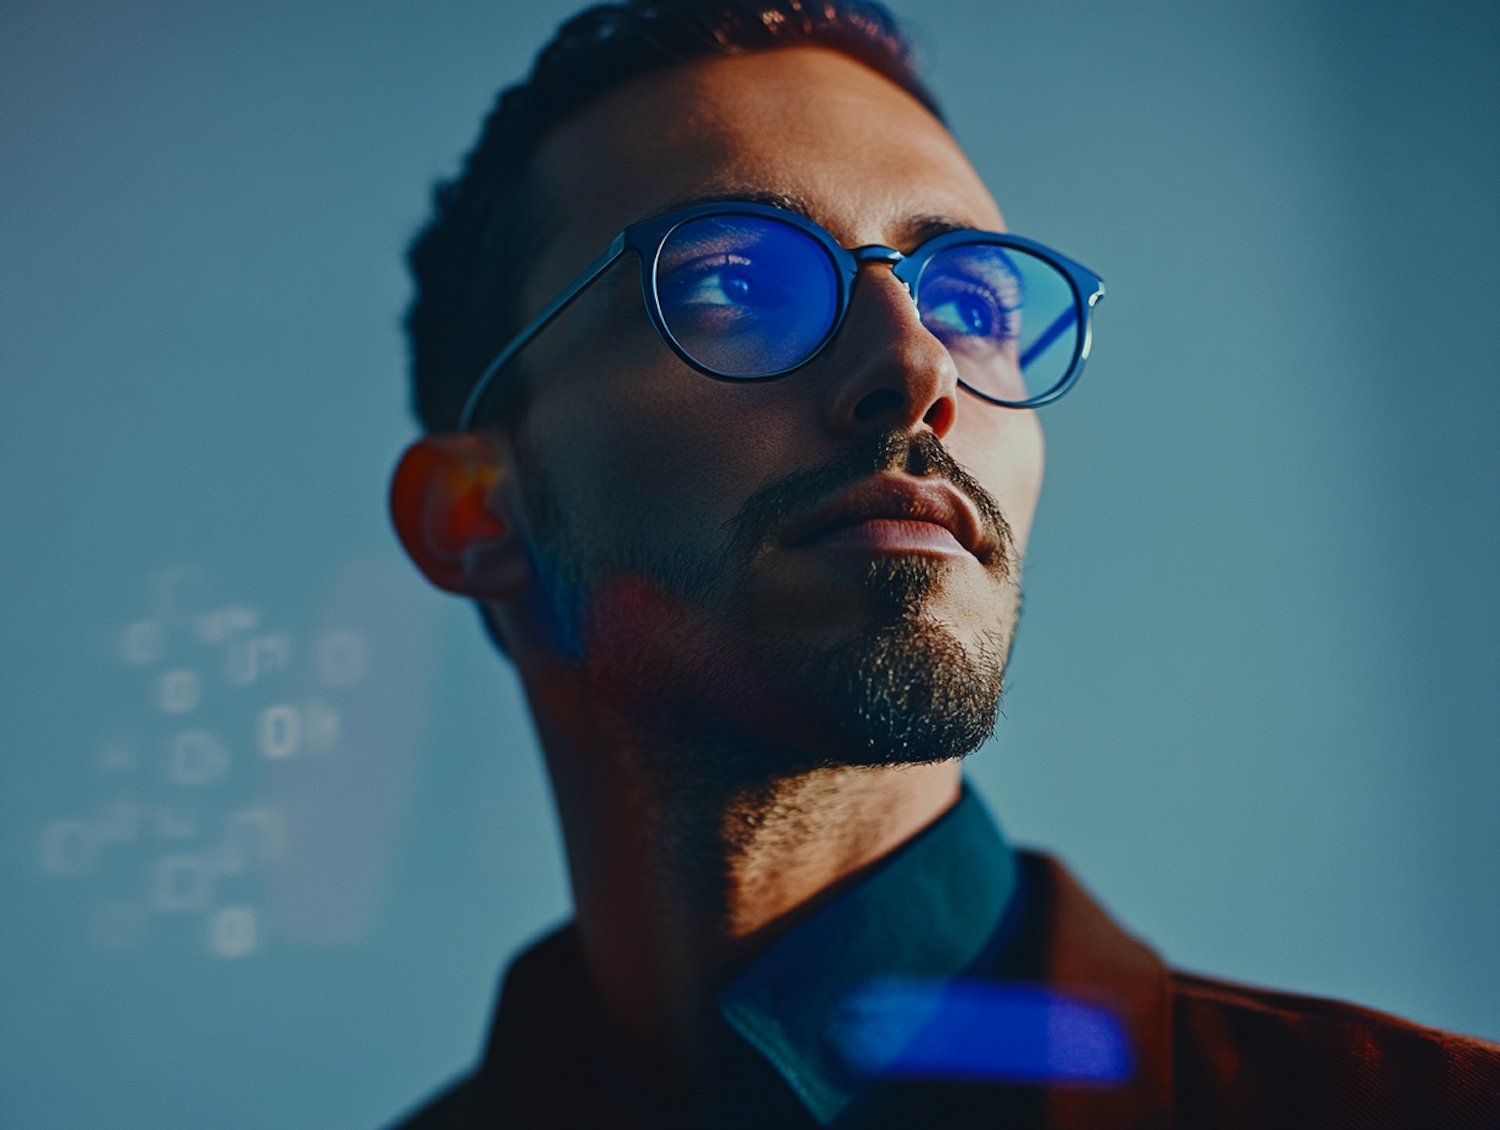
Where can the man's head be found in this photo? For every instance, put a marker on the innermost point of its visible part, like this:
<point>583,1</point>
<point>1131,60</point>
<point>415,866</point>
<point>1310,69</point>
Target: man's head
<point>816,569</point>
<point>466,305</point>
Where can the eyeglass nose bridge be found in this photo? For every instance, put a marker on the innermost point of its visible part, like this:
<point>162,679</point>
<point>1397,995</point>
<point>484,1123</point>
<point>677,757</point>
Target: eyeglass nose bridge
<point>876,253</point>
<point>880,253</point>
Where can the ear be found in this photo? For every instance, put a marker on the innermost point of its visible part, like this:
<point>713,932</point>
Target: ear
<point>449,506</point>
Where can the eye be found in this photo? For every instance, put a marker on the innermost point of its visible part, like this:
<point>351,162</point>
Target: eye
<point>963,315</point>
<point>971,291</point>
<point>745,296</point>
<point>961,308</point>
<point>720,281</point>
<point>740,286</point>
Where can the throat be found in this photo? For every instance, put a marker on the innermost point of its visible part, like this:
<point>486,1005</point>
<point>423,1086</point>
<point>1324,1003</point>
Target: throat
<point>686,865</point>
<point>729,879</point>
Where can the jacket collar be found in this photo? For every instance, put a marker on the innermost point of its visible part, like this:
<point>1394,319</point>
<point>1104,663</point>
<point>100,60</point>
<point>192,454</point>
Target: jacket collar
<point>932,911</point>
<point>1082,952</point>
<point>537,1067</point>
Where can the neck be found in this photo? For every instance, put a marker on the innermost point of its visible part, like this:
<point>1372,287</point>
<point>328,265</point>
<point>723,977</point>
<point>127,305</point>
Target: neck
<point>679,880</point>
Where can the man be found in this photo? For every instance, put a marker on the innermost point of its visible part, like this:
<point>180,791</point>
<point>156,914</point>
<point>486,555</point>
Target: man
<point>729,381</point>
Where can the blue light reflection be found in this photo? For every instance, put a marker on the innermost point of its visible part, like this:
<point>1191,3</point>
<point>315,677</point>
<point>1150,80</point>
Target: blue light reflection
<point>981,1031</point>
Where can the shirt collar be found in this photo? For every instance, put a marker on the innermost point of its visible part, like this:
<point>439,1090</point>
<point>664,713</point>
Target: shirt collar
<point>930,911</point>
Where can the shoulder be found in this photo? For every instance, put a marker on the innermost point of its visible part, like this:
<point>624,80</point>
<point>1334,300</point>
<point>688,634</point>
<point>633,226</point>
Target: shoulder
<point>535,997</point>
<point>452,1108</point>
<point>1252,1057</point>
<point>546,983</point>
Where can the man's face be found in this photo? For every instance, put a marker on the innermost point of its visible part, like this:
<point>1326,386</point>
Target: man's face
<point>790,558</point>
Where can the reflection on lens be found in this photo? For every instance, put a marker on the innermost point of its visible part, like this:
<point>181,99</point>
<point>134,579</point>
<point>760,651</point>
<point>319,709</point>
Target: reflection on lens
<point>1009,319</point>
<point>746,296</point>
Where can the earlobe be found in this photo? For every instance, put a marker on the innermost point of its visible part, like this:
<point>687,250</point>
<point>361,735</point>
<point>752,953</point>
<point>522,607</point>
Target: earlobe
<point>447,504</point>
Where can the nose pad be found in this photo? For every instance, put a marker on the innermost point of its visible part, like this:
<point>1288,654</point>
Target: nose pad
<point>890,371</point>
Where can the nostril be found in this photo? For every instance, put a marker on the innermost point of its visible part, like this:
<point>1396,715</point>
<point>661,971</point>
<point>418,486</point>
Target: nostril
<point>878,403</point>
<point>940,416</point>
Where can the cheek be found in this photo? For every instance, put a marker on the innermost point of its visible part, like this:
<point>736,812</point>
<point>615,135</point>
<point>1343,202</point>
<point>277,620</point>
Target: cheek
<point>1003,449</point>
<point>646,455</point>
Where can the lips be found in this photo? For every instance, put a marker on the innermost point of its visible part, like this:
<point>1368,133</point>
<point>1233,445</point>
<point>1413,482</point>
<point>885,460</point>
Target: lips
<point>896,513</point>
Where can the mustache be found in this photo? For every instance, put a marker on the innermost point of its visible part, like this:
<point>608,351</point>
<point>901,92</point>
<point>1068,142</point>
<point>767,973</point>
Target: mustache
<point>772,507</point>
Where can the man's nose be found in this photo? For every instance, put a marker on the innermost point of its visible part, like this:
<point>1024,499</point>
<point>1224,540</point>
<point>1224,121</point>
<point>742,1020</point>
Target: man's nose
<point>886,370</point>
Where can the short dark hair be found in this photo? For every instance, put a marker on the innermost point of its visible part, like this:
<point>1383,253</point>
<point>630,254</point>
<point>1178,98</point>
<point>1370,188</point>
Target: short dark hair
<point>464,309</point>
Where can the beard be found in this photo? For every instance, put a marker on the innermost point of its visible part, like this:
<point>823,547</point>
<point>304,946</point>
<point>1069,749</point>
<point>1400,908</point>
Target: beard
<point>904,690</point>
<point>672,642</point>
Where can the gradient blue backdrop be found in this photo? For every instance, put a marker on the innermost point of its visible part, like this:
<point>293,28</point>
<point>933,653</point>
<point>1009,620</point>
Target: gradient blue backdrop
<point>1253,698</point>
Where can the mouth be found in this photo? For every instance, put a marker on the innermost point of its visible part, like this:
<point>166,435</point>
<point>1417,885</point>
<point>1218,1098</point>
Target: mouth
<point>896,514</point>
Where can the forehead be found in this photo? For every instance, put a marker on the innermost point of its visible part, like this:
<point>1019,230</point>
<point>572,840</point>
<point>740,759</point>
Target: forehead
<point>865,159</point>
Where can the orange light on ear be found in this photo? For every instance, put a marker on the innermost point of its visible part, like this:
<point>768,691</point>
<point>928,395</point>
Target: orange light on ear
<point>468,519</point>
<point>437,503</point>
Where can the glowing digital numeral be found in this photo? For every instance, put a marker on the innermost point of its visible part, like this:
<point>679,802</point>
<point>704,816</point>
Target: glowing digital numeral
<point>253,833</point>
<point>181,883</point>
<point>179,691</point>
<point>274,651</point>
<point>280,731</point>
<point>247,660</point>
<point>219,625</point>
<point>320,725</point>
<point>342,657</point>
<point>142,642</point>
<point>231,933</point>
<point>198,758</point>
<point>196,836</point>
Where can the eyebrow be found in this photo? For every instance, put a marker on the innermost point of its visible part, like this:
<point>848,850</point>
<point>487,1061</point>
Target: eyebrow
<point>919,229</point>
<point>729,195</point>
<point>911,232</point>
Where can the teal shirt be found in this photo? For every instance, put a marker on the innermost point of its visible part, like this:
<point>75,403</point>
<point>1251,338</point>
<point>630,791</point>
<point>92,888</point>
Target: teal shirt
<point>932,911</point>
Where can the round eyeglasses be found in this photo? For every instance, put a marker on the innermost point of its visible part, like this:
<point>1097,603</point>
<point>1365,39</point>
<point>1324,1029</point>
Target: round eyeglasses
<point>746,292</point>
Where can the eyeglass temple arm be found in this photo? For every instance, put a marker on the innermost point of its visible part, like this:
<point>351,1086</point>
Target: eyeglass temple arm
<point>535,326</point>
<point>1049,335</point>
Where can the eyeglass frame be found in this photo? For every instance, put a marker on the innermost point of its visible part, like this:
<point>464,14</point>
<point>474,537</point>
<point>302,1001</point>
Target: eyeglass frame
<point>647,238</point>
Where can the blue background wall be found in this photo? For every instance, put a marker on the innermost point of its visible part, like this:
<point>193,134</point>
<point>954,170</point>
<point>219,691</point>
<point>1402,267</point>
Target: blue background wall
<point>1253,699</point>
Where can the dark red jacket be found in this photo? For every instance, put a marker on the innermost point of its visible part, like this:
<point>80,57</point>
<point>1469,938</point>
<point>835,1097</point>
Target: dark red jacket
<point>1212,1053</point>
<point>1208,1053</point>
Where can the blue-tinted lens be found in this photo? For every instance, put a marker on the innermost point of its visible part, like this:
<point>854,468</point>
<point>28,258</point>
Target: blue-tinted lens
<point>1008,318</point>
<point>746,296</point>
